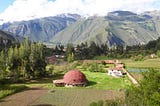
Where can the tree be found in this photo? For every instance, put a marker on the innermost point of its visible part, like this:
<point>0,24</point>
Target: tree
<point>70,57</point>
<point>147,93</point>
<point>2,66</point>
<point>69,52</point>
<point>158,53</point>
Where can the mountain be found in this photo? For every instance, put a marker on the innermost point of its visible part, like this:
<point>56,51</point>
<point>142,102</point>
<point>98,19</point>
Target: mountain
<point>41,29</point>
<point>117,28</point>
<point>8,39</point>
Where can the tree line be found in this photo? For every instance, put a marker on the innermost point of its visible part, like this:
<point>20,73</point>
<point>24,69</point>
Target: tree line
<point>89,51</point>
<point>23,61</point>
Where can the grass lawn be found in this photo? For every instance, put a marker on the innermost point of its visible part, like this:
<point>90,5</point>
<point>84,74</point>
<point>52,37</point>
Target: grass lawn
<point>103,81</point>
<point>149,63</point>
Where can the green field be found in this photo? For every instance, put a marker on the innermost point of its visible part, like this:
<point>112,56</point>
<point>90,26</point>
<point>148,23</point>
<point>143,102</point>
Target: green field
<point>103,81</point>
<point>100,87</point>
<point>148,63</point>
<point>9,89</point>
<point>76,97</point>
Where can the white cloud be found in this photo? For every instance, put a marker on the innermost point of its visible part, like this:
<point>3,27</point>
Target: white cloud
<point>29,9</point>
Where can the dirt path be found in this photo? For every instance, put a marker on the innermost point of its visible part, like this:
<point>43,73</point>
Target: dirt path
<point>134,81</point>
<point>23,98</point>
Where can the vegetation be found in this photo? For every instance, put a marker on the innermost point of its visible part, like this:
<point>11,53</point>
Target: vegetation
<point>6,90</point>
<point>147,93</point>
<point>103,81</point>
<point>23,61</point>
<point>148,63</point>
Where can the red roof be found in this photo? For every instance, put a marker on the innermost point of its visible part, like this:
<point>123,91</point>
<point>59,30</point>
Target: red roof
<point>116,68</point>
<point>74,77</point>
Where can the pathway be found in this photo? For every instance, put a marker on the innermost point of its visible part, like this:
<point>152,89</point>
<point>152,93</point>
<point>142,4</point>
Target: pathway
<point>134,81</point>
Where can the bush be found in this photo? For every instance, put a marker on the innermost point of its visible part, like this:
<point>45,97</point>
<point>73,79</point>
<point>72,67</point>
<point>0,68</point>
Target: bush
<point>158,53</point>
<point>116,102</point>
<point>95,67</point>
<point>50,69</point>
<point>138,58</point>
<point>93,104</point>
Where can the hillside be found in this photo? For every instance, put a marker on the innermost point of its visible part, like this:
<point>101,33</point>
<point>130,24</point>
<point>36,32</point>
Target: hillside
<point>11,39</point>
<point>40,29</point>
<point>119,27</point>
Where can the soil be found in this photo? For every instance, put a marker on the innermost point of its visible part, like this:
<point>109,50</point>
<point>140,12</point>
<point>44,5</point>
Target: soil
<point>24,98</point>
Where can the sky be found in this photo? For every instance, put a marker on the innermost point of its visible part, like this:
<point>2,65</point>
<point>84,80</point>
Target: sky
<point>17,10</point>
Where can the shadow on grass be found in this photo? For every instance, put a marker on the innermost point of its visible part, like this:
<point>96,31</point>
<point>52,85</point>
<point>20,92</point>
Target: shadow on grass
<point>46,79</point>
<point>91,83</point>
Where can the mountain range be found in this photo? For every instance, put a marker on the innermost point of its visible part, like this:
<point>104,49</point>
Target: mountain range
<point>117,28</point>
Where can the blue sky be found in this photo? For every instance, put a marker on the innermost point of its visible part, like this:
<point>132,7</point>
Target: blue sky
<point>17,10</point>
<point>4,4</point>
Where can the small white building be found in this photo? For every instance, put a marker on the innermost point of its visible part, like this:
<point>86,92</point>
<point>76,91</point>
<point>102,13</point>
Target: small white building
<point>116,72</point>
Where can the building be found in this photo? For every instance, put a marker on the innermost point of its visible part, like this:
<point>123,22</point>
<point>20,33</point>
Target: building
<point>51,59</point>
<point>116,72</point>
<point>72,78</point>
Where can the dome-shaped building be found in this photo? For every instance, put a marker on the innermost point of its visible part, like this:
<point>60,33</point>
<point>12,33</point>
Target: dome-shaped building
<point>72,78</point>
<point>75,78</point>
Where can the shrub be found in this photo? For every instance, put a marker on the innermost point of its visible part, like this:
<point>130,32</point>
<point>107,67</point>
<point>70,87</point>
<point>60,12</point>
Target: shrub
<point>50,69</point>
<point>93,104</point>
<point>138,58</point>
<point>95,67</point>
<point>158,53</point>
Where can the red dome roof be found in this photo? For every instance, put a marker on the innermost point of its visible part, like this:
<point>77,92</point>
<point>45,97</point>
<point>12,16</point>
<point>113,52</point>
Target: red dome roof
<point>74,77</point>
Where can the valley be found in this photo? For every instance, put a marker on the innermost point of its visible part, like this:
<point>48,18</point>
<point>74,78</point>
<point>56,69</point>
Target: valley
<point>108,51</point>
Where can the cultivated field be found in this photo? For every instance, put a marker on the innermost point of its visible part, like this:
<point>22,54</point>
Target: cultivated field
<point>76,97</point>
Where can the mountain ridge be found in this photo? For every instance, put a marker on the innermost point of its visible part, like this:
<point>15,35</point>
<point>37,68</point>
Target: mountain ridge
<point>117,28</point>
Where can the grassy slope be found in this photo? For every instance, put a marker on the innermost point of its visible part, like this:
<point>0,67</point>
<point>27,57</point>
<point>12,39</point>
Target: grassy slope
<point>92,29</point>
<point>102,30</point>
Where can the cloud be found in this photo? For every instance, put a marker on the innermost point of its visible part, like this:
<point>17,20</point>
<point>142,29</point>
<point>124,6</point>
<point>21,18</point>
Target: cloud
<point>30,9</point>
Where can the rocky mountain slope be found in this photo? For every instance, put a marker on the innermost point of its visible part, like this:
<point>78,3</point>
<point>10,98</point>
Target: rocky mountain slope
<point>7,39</point>
<point>117,28</point>
<point>10,36</point>
<point>40,29</point>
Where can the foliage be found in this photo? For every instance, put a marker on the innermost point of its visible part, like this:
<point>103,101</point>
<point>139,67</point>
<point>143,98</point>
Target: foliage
<point>95,67</point>
<point>138,58</point>
<point>70,53</point>
<point>25,60</point>
<point>158,53</point>
<point>148,92</point>
<point>116,102</point>
<point>50,69</point>
<point>70,57</point>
